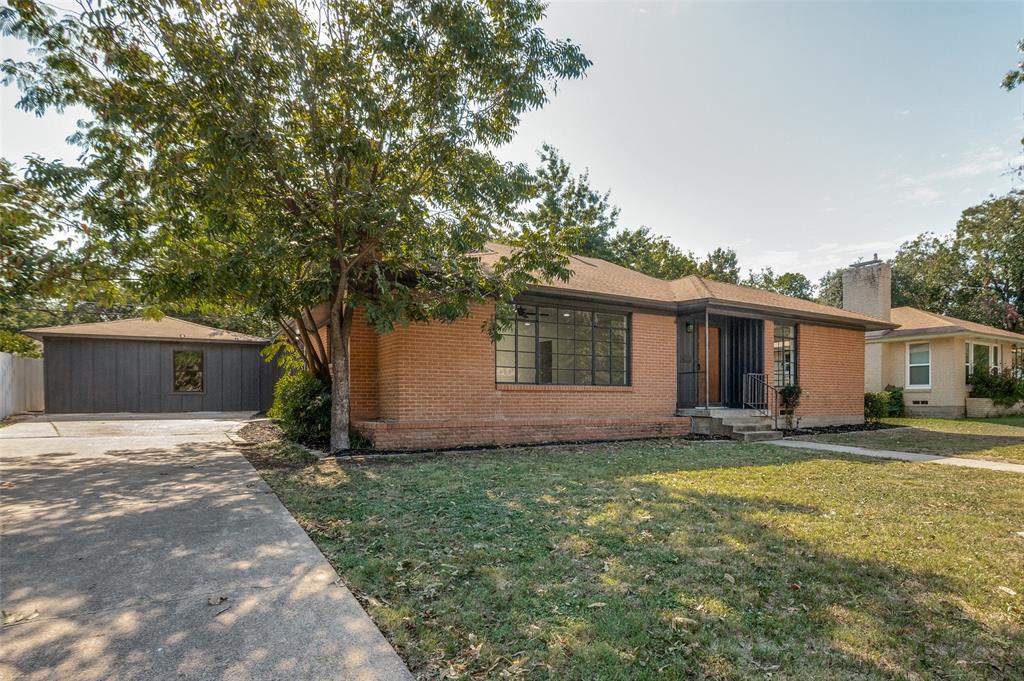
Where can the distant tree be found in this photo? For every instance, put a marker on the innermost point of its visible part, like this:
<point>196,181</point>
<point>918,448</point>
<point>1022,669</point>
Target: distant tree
<point>989,241</point>
<point>567,202</point>
<point>830,288</point>
<point>927,273</point>
<point>788,284</point>
<point>651,254</point>
<point>720,264</point>
<point>279,155</point>
<point>17,344</point>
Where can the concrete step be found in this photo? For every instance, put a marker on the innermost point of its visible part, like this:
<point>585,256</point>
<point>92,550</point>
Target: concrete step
<point>747,427</point>
<point>759,435</point>
<point>760,421</point>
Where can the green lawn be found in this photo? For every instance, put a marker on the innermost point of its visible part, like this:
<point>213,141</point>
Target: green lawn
<point>665,560</point>
<point>996,439</point>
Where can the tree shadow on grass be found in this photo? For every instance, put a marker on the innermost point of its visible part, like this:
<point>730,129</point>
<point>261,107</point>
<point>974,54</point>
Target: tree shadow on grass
<point>616,564</point>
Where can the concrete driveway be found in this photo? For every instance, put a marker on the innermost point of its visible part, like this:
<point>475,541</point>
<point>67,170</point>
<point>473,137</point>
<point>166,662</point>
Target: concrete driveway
<point>147,547</point>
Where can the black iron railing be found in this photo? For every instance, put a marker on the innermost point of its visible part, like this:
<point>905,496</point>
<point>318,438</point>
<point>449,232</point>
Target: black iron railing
<point>761,395</point>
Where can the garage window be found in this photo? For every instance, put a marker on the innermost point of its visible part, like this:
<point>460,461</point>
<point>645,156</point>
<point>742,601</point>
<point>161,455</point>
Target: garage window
<point>188,371</point>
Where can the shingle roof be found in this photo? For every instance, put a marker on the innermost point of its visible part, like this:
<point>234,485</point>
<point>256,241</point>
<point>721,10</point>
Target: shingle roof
<point>915,322</point>
<point>603,278</point>
<point>167,328</point>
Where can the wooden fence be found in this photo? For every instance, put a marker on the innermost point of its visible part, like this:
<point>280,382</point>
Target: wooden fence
<point>21,384</point>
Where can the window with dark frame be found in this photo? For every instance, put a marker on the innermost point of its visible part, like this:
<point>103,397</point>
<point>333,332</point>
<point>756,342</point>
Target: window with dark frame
<point>563,346</point>
<point>784,345</point>
<point>188,371</point>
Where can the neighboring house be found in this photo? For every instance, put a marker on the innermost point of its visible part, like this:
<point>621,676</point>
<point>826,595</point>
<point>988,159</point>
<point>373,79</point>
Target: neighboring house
<point>141,365</point>
<point>930,356</point>
<point>609,354</point>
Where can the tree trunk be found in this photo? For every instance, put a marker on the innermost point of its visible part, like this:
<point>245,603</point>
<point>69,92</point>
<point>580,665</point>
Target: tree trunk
<point>341,327</point>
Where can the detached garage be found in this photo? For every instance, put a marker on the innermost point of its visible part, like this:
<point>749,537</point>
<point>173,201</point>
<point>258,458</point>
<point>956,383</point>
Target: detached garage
<point>141,365</point>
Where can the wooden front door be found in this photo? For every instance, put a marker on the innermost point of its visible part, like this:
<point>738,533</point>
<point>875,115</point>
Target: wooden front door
<point>709,365</point>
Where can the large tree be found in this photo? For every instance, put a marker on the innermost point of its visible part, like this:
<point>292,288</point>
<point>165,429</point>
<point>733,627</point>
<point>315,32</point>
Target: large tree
<point>788,284</point>
<point>281,155</point>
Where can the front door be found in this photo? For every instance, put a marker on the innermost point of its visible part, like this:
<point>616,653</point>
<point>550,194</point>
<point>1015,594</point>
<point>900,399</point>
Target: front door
<point>709,384</point>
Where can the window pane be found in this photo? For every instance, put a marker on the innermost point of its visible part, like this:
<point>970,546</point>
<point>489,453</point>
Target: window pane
<point>919,375</point>
<point>580,317</point>
<point>618,378</point>
<point>602,378</point>
<point>619,336</point>
<point>565,330</point>
<point>506,359</point>
<point>526,330</point>
<point>584,378</point>
<point>980,357</point>
<point>526,376</point>
<point>188,371</point>
<point>548,330</point>
<point>526,359</point>
<point>563,377</point>
<point>526,312</point>
<point>583,347</point>
<point>565,346</point>
<point>564,361</point>
<point>582,363</point>
<point>617,363</point>
<point>601,363</point>
<point>919,353</point>
<point>505,375</point>
<point>507,342</point>
<point>602,348</point>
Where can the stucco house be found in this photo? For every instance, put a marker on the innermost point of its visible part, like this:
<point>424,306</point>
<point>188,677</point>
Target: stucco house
<point>930,356</point>
<point>608,354</point>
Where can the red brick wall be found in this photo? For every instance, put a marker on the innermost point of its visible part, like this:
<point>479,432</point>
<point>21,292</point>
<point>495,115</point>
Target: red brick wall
<point>446,371</point>
<point>830,368</point>
<point>432,385</point>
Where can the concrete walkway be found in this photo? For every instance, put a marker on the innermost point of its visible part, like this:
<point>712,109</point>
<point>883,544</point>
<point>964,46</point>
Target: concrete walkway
<point>902,456</point>
<point>149,548</point>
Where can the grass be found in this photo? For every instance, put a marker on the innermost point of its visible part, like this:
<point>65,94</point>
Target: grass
<point>664,560</point>
<point>995,439</point>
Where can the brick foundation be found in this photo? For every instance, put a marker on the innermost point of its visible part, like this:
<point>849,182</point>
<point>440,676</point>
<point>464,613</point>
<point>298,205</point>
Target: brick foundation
<point>461,433</point>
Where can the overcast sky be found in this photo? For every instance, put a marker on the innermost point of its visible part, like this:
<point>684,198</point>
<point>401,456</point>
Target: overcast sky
<point>802,135</point>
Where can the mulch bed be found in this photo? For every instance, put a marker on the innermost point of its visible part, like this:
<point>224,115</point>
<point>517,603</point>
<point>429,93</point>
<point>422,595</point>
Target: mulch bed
<point>828,430</point>
<point>260,432</point>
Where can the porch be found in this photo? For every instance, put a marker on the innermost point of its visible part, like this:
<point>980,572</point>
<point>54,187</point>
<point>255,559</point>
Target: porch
<point>723,360</point>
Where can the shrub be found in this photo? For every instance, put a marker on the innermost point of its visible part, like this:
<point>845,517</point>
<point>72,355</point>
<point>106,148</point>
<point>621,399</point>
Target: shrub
<point>790,399</point>
<point>1002,387</point>
<point>17,344</point>
<point>876,406</point>
<point>302,407</point>
<point>896,406</point>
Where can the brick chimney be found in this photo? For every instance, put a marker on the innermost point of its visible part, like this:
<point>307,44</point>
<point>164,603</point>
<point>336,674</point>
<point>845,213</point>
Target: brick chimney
<point>867,288</point>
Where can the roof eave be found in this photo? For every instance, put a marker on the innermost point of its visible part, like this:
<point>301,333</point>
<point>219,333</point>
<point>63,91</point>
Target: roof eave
<point>43,335</point>
<point>725,307</point>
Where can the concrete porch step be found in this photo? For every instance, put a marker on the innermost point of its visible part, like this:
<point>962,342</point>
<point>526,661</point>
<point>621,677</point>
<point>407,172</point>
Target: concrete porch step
<point>757,435</point>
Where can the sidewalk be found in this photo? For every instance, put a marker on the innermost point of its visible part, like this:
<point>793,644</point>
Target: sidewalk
<point>902,456</point>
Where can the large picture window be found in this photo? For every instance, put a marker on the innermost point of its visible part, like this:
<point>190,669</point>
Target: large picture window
<point>188,371</point>
<point>563,346</point>
<point>785,354</point>
<point>919,365</point>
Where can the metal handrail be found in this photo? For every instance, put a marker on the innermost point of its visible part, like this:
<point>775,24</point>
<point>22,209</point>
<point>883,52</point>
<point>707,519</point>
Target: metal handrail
<point>761,395</point>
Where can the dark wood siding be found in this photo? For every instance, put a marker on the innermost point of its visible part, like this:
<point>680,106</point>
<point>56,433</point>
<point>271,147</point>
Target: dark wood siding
<point>98,375</point>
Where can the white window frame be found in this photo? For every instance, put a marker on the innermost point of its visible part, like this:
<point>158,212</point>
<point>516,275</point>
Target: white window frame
<point>911,386</point>
<point>995,356</point>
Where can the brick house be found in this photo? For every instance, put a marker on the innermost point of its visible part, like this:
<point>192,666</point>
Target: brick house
<point>609,354</point>
<point>930,356</point>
